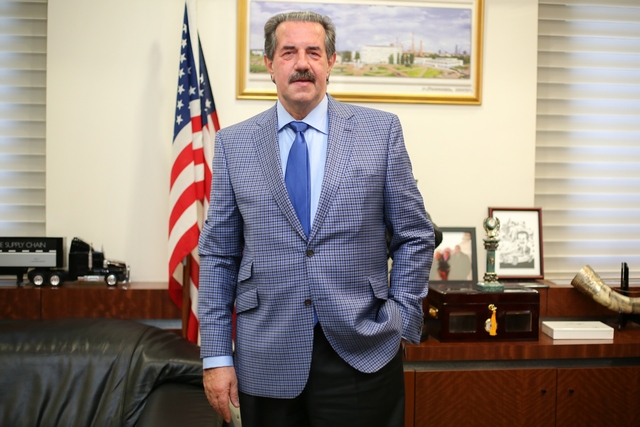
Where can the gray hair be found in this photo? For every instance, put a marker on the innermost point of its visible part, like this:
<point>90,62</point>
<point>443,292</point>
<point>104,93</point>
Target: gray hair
<point>270,40</point>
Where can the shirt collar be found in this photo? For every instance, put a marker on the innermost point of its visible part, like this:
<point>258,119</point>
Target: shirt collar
<point>317,118</point>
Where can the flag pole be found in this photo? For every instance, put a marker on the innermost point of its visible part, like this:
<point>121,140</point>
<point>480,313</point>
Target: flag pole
<point>186,295</point>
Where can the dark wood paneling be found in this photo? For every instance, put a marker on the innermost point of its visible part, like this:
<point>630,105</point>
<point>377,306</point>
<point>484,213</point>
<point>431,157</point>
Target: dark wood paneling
<point>410,396</point>
<point>566,301</point>
<point>599,396</point>
<point>19,303</point>
<point>510,397</point>
<point>76,299</point>
<point>99,300</point>
<point>544,295</point>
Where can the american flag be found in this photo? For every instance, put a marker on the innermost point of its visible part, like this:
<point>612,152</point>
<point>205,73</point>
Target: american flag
<point>195,124</point>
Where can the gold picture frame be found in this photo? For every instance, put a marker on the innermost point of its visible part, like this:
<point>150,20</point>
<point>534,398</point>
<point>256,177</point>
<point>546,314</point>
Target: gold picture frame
<point>442,64</point>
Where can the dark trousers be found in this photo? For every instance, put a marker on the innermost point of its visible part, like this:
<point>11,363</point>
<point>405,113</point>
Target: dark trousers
<point>336,395</point>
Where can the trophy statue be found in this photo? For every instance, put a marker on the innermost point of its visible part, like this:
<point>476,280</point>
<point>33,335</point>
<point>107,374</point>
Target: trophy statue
<point>491,283</point>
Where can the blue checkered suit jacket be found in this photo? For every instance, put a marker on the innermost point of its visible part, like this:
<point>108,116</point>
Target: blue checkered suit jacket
<point>253,251</point>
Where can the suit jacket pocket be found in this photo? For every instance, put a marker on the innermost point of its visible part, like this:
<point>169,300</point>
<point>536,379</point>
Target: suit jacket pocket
<point>246,269</point>
<point>380,286</point>
<point>247,297</point>
<point>247,300</point>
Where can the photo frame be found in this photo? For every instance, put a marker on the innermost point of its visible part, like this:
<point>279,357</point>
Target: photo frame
<point>429,52</point>
<point>520,253</point>
<point>455,260</point>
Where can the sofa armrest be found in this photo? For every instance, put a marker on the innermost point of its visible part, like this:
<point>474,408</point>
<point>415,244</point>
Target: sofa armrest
<point>81,372</point>
<point>175,404</point>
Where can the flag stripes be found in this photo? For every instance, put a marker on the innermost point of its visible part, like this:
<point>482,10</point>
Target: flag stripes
<point>195,124</point>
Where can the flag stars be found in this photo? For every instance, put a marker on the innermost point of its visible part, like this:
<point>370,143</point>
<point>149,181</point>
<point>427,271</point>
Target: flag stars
<point>193,86</point>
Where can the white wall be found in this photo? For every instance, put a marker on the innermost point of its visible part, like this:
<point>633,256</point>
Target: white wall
<point>111,80</point>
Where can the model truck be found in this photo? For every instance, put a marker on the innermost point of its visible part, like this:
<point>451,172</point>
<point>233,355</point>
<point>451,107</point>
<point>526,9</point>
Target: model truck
<point>42,259</point>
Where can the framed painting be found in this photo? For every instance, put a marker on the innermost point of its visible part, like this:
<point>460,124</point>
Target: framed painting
<point>455,259</point>
<point>519,253</point>
<point>412,51</point>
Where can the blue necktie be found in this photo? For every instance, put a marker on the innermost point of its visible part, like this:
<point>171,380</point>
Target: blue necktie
<point>298,181</point>
<point>297,176</point>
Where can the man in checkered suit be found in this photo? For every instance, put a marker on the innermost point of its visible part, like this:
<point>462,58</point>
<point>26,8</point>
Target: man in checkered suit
<point>321,322</point>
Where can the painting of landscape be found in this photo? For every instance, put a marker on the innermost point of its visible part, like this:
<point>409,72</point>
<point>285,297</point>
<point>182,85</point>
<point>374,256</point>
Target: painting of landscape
<point>387,48</point>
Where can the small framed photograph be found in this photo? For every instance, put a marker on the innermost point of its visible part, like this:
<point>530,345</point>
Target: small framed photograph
<point>519,253</point>
<point>455,259</point>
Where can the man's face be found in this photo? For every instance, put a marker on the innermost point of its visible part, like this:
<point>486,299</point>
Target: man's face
<point>300,66</point>
<point>522,239</point>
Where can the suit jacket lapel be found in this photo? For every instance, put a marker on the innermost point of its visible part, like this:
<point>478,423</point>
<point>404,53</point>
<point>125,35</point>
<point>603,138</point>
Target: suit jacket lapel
<point>267,148</point>
<point>339,149</point>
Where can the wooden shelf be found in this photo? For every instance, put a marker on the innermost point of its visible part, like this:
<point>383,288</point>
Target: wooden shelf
<point>625,343</point>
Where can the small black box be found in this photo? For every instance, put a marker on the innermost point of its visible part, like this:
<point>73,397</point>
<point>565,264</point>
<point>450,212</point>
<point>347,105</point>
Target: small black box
<point>462,313</point>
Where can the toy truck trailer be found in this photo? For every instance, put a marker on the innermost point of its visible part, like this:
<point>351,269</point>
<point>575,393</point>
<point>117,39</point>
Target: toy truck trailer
<point>41,258</point>
<point>19,254</point>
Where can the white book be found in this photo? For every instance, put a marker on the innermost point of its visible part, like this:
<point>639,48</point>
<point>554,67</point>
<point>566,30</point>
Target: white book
<point>587,330</point>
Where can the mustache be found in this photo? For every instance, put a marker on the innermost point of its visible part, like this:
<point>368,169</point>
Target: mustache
<point>303,75</point>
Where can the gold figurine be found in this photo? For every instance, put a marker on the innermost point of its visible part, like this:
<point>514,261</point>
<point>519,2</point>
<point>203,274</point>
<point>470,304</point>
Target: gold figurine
<point>491,324</point>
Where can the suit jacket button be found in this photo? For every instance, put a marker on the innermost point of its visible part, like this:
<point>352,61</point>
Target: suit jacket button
<point>310,253</point>
<point>307,302</point>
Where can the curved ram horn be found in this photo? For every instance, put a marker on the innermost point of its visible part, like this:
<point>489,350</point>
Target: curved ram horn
<point>589,283</point>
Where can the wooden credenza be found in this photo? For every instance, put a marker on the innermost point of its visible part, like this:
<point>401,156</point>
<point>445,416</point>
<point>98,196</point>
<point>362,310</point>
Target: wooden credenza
<point>87,299</point>
<point>529,383</point>
<point>542,383</point>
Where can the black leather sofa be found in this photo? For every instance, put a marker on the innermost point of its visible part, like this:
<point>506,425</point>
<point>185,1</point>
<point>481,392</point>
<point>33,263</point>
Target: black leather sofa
<point>99,372</point>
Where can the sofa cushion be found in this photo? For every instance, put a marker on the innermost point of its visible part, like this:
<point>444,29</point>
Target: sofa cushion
<point>87,372</point>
